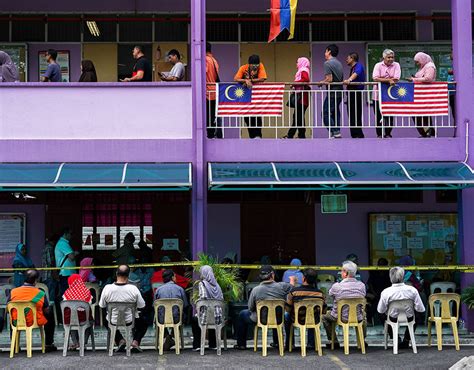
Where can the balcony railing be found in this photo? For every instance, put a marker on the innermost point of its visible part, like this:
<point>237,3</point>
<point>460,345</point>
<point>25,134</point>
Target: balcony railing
<point>356,113</point>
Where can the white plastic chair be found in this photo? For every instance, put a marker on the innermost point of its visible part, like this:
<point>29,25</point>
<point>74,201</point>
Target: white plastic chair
<point>96,288</point>
<point>248,289</point>
<point>401,306</point>
<point>121,309</point>
<point>5,290</point>
<point>210,306</point>
<point>75,324</point>
<point>441,287</point>
<point>52,305</point>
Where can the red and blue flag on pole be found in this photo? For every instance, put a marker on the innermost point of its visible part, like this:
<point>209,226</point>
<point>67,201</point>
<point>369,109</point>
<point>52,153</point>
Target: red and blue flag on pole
<point>283,14</point>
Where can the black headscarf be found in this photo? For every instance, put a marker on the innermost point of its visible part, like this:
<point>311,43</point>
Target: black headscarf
<point>88,72</point>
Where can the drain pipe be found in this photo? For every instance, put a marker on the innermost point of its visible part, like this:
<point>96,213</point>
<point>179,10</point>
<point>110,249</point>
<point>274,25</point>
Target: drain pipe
<point>466,122</point>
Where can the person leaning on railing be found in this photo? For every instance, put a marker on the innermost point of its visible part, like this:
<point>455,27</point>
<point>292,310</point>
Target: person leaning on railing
<point>387,71</point>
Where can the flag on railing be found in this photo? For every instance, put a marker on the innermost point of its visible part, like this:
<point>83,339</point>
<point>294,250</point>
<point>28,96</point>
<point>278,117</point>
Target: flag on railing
<point>414,99</point>
<point>282,16</point>
<point>262,100</point>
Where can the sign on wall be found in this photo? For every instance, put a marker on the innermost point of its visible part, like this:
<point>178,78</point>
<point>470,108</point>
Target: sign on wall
<point>62,60</point>
<point>13,231</point>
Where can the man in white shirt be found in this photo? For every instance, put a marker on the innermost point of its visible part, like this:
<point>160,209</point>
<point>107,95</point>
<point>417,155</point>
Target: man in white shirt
<point>398,291</point>
<point>178,71</point>
<point>122,291</point>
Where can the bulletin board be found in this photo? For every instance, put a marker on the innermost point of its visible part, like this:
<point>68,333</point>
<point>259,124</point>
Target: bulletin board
<point>430,238</point>
<point>13,231</point>
<point>18,53</point>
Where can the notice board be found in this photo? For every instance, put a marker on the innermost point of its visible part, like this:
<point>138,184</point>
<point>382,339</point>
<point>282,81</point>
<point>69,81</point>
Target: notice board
<point>12,231</point>
<point>430,238</point>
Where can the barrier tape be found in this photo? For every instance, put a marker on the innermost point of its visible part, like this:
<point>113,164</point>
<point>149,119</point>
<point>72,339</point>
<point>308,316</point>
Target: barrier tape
<point>460,268</point>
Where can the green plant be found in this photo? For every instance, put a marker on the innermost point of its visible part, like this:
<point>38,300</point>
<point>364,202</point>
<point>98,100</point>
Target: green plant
<point>227,278</point>
<point>467,296</point>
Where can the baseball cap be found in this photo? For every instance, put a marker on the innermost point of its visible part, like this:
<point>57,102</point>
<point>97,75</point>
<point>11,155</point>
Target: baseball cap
<point>266,270</point>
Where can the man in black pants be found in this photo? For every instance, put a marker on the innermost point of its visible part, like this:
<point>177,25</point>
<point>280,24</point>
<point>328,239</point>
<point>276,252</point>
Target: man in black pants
<point>355,95</point>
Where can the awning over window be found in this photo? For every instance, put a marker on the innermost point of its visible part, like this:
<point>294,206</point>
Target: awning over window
<point>359,175</point>
<point>95,175</point>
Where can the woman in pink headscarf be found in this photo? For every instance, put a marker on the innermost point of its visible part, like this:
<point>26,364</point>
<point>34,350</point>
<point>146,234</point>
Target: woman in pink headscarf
<point>426,74</point>
<point>87,275</point>
<point>301,101</point>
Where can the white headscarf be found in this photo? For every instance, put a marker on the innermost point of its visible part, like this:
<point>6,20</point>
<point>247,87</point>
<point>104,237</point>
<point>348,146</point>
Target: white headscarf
<point>213,289</point>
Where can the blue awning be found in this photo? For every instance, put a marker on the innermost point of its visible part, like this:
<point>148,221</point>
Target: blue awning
<point>448,174</point>
<point>95,175</point>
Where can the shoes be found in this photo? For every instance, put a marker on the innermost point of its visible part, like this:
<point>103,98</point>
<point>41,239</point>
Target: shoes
<point>196,349</point>
<point>121,346</point>
<point>379,136</point>
<point>73,347</point>
<point>286,137</point>
<point>404,344</point>
<point>336,345</point>
<point>387,136</point>
<point>136,349</point>
<point>169,343</point>
<point>337,136</point>
<point>274,345</point>
<point>50,348</point>
<point>240,348</point>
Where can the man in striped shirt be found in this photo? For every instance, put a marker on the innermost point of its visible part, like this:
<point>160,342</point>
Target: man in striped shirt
<point>349,287</point>
<point>307,290</point>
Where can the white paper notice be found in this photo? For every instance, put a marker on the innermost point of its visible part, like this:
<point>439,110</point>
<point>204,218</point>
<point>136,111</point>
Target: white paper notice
<point>10,230</point>
<point>170,245</point>
<point>436,225</point>
<point>415,243</point>
<point>394,226</point>
<point>438,243</point>
<point>381,225</point>
<point>392,241</point>
<point>107,238</point>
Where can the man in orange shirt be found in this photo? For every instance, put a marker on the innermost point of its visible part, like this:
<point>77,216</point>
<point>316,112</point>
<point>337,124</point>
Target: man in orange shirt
<point>44,315</point>
<point>214,125</point>
<point>248,74</point>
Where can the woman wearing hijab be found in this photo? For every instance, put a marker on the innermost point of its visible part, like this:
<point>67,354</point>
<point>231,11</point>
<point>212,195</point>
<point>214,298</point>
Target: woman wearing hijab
<point>8,70</point>
<point>21,260</point>
<point>87,275</point>
<point>88,71</point>
<point>297,273</point>
<point>426,74</point>
<point>301,101</point>
<point>77,291</point>
<point>208,289</point>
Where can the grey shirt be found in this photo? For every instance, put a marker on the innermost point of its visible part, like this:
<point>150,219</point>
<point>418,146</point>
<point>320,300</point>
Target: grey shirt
<point>334,67</point>
<point>177,71</point>
<point>267,290</point>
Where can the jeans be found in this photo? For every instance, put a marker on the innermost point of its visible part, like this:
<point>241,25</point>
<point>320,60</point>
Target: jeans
<point>288,322</point>
<point>214,124</point>
<point>52,285</point>
<point>242,325</point>
<point>331,112</point>
<point>63,285</point>
<point>354,110</point>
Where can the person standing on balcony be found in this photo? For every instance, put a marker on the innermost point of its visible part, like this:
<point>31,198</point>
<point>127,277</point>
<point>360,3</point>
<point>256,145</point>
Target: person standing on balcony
<point>355,94</point>
<point>214,126</point>
<point>426,74</point>
<point>177,72</point>
<point>301,101</point>
<point>249,74</point>
<point>333,72</point>
<point>387,71</point>
<point>53,72</point>
<point>8,70</point>
<point>142,71</point>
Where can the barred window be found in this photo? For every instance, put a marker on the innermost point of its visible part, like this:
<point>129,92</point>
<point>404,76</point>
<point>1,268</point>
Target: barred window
<point>301,32</point>
<point>96,30</point>
<point>172,29</point>
<point>255,30</point>
<point>399,29</point>
<point>222,29</point>
<point>362,27</point>
<point>328,30</point>
<point>442,27</point>
<point>64,31</point>
<point>27,30</point>
<point>137,30</point>
<point>5,30</point>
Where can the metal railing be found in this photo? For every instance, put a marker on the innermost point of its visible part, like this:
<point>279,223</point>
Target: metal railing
<point>331,108</point>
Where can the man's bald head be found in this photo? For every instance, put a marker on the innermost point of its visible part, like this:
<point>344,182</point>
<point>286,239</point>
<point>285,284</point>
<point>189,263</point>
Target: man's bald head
<point>31,276</point>
<point>123,271</point>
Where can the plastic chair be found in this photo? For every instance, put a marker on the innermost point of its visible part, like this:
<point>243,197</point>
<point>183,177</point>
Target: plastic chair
<point>94,287</point>
<point>272,323</point>
<point>120,309</point>
<point>248,289</point>
<point>326,278</point>
<point>75,324</point>
<point>325,287</point>
<point>445,300</point>
<point>168,322</point>
<point>5,290</point>
<point>210,305</point>
<point>310,304</point>
<point>20,307</point>
<point>401,306</point>
<point>443,287</point>
<point>45,289</point>
<point>351,304</point>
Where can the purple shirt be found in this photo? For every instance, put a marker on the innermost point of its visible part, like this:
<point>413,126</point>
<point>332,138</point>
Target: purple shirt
<point>53,72</point>
<point>347,288</point>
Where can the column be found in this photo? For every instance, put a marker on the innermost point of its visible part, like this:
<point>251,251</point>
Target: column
<point>199,190</point>
<point>461,11</point>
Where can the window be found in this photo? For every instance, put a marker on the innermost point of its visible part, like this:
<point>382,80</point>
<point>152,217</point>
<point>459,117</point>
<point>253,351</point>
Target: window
<point>222,29</point>
<point>363,27</point>
<point>130,31</point>
<point>5,30</point>
<point>442,27</point>
<point>301,32</point>
<point>65,30</point>
<point>403,28</point>
<point>255,30</point>
<point>171,29</point>
<point>328,30</point>
<point>96,29</point>
<point>28,30</point>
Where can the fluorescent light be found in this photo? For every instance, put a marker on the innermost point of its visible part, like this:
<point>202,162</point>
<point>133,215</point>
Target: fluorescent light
<point>93,28</point>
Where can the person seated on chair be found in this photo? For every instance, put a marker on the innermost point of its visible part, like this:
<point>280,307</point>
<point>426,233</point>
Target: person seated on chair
<point>208,288</point>
<point>157,276</point>
<point>297,273</point>
<point>124,292</point>
<point>77,291</point>
<point>170,290</point>
<point>399,290</point>
<point>307,290</point>
<point>353,258</point>
<point>44,314</point>
<point>268,289</point>
<point>349,287</point>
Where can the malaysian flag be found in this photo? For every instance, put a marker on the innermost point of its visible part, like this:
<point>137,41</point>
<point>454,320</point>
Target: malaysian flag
<point>414,99</point>
<point>264,100</point>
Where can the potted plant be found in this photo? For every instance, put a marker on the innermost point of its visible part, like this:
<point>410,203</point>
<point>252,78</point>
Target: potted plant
<point>467,296</point>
